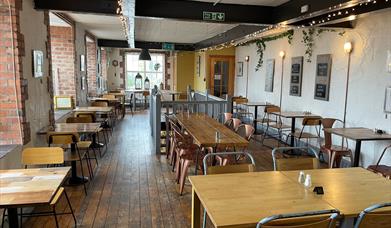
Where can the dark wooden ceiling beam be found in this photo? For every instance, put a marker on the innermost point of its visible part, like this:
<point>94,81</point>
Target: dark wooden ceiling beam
<point>85,6</point>
<point>142,44</point>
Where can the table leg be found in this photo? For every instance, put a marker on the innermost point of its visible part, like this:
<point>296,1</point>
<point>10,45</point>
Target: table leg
<point>13,217</point>
<point>357,152</point>
<point>293,128</point>
<point>134,101</point>
<point>255,118</point>
<point>75,179</point>
<point>195,210</point>
<point>173,97</point>
<point>95,143</point>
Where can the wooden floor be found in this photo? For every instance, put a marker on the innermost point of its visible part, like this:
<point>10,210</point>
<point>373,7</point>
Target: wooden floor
<point>133,187</point>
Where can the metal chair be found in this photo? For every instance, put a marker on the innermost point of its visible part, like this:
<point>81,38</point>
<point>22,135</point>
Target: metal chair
<point>370,219</point>
<point>335,153</point>
<point>297,162</point>
<point>45,156</point>
<point>307,122</point>
<point>309,219</point>
<point>273,122</point>
<point>383,170</point>
<point>237,168</point>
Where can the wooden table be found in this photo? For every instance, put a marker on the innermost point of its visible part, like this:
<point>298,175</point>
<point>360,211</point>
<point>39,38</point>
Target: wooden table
<point>93,109</point>
<point>172,93</point>
<point>256,105</point>
<point>293,115</point>
<point>203,129</point>
<point>134,91</point>
<point>242,199</point>
<point>358,134</point>
<point>28,187</point>
<point>105,99</point>
<point>350,190</point>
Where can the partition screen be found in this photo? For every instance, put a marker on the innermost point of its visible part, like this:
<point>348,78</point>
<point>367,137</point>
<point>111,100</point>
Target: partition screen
<point>153,69</point>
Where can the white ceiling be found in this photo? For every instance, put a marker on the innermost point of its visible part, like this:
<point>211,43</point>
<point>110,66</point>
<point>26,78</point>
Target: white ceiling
<point>102,26</point>
<point>176,31</point>
<point>249,2</point>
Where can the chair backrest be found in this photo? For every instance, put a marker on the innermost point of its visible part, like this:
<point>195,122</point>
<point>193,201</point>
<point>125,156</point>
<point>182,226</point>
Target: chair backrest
<point>62,138</point>
<point>100,104</point>
<point>310,219</point>
<point>237,168</point>
<point>295,163</point>
<point>146,93</point>
<point>90,115</point>
<point>42,156</point>
<point>85,119</point>
<point>246,131</point>
<point>236,123</point>
<point>240,100</point>
<point>270,109</point>
<point>108,96</point>
<point>382,154</point>
<point>227,116</point>
<point>327,123</point>
<point>370,219</point>
<point>312,121</point>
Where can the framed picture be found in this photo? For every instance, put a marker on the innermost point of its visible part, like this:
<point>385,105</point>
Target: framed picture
<point>82,63</point>
<point>37,63</point>
<point>296,76</point>
<point>198,65</point>
<point>322,79</point>
<point>269,79</point>
<point>240,69</point>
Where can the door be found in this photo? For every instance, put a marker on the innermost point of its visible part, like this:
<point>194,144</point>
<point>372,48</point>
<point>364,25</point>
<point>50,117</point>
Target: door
<point>222,75</point>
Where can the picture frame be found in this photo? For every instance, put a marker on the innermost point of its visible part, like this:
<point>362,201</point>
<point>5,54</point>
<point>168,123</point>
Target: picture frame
<point>37,63</point>
<point>198,66</point>
<point>269,79</point>
<point>240,69</point>
<point>82,63</point>
<point>296,76</point>
<point>322,77</point>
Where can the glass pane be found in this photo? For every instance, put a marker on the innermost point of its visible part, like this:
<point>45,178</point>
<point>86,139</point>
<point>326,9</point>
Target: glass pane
<point>225,77</point>
<point>132,62</point>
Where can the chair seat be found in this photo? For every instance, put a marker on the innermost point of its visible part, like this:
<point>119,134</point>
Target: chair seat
<point>279,126</point>
<point>57,196</point>
<point>84,144</point>
<point>384,170</point>
<point>337,149</point>
<point>73,156</point>
<point>304,135</point>
<point>265,120</point>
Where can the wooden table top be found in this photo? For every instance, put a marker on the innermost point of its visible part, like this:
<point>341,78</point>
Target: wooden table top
<point>104,99</point>
<point>350,190</point>
<point>294,114</point>
<point>171,92</point>
<point>21,187</point>
<point>136,90</point>
<point>358,133</point>
<point>71,127</point>
<point>93,109</point>
<point>242,199</point>
<point>203,129</point>
<point>260,103</point>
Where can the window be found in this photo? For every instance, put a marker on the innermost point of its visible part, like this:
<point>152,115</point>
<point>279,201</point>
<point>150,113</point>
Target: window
<point>153,69</point>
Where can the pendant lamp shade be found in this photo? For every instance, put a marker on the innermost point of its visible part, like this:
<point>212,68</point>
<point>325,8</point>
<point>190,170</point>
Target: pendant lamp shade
<point>144,55</point>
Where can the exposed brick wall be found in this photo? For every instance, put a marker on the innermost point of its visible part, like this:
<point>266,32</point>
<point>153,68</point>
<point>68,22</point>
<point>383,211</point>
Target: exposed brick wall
<point>63,60</point>
<point>91,67</point>
<point>13,126</point>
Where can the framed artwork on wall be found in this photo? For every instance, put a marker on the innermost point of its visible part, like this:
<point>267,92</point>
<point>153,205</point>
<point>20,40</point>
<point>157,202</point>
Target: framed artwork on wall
<point>296,76</point>
<point>240,69</point>
<point>198,66</point>
<point>82,63</point>
<point>37,63</point>
<point>269,79</point>
<point>322,79</point>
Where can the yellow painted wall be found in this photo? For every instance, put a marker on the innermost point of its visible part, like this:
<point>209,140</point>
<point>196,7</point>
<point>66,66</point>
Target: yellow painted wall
<point>184,70</point>
<point>201,82</point>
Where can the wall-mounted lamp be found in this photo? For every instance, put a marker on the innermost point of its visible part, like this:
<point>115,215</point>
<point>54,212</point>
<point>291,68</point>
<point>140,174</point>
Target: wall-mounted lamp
<point>247,58</point>
<point>348,47</point>
<point>282,54</point>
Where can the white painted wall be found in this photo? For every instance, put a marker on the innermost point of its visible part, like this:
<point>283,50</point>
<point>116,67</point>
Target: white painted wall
<point>368,78</point>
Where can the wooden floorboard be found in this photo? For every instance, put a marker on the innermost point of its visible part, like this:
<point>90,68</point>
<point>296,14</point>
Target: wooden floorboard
<point>133,187</point>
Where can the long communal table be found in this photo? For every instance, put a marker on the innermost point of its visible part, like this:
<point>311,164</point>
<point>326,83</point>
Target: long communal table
<point>242,199</point>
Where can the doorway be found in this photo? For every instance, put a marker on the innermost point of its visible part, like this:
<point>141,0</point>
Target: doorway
<point>222,70</point>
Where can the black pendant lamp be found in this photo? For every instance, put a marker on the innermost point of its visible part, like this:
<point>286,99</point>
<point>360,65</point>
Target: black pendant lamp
<point>144,55</point>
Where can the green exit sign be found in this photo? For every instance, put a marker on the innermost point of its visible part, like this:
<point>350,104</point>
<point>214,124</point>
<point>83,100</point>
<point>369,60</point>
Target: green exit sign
<point>213,16</point>
<point>168,46</point>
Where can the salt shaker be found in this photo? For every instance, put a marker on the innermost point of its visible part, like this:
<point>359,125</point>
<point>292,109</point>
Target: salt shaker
<point>301,177</point>
<point>307,182</point>
<point>217,136</point>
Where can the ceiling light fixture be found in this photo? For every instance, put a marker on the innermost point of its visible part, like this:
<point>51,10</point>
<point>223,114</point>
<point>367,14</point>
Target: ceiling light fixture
<point>144,55</point>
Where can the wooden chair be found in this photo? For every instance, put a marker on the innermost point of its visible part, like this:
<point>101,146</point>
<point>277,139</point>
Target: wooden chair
<point>100,103</point>
<point>236,168</point>
<point>72,155</point>
<point>368,218</point>
<point>334,152</point>
<point>295,162</point>
<point>273,123</point>
<point>309,219</point>
<point>108,96</point>
<point>85,119</point>
<point>45,156</point>
<point>383,170</point>
<point>92,119</point>
<point>314,122</point>
<point>90,115</point>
